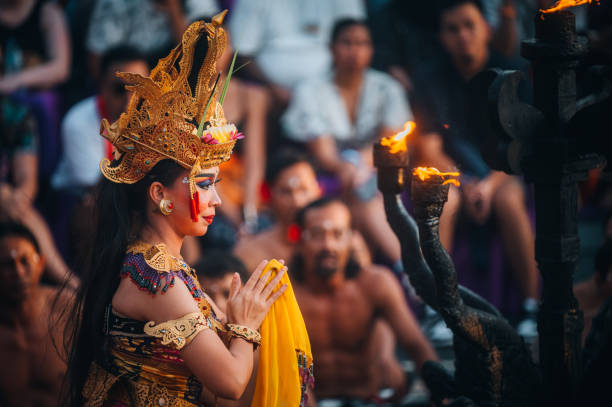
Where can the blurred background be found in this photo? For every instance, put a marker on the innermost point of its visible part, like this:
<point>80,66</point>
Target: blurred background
<point>323,81</point>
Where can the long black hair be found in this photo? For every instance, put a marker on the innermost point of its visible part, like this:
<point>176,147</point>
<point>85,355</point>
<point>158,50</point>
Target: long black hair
<point>118,217</point>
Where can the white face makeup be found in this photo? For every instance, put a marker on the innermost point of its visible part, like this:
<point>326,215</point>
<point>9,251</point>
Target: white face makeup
<point>327,224</point>
<point>293,182</point>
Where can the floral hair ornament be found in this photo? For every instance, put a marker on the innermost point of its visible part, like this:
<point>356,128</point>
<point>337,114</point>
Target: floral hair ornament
<point>169,115</point>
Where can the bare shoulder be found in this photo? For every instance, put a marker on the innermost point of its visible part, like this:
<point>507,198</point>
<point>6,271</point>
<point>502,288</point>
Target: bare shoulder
<point>171,302</point>
<point>376,274</point>
<point>378,281</point>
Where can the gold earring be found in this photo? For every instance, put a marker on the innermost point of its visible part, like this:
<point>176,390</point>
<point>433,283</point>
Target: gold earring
<point>166,206</point>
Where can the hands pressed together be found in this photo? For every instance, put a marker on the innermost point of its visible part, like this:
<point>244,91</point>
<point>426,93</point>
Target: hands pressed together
<point>248,304</point>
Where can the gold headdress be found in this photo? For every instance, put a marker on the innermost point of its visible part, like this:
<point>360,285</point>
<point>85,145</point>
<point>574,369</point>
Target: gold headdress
<point>162,118</point>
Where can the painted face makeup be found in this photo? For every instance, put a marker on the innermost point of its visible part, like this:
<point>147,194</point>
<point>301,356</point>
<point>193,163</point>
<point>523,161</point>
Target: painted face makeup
<point>206,180</point>
<point>293,182</point>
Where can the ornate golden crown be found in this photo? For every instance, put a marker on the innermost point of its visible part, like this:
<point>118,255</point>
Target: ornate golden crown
<point>162,118</point>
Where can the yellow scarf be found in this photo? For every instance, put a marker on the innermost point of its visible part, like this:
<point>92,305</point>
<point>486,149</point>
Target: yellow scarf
<point>285,358</point>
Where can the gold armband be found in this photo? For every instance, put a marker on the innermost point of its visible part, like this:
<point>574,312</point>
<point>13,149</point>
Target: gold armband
<point>246,333</point>
<point>178,332</point>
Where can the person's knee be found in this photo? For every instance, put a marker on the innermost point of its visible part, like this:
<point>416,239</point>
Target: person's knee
<point>509,198</point>
<point>428,146</point>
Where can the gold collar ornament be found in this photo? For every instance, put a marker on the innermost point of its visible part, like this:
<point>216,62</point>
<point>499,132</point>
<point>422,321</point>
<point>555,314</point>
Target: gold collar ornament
<point>161,121</point>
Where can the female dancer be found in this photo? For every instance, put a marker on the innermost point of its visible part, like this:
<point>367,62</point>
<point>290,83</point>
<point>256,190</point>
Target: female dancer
<point>145,332</point>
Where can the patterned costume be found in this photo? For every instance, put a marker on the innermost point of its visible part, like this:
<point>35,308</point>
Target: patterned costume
<point>177,114</point>
<point>143,367</point>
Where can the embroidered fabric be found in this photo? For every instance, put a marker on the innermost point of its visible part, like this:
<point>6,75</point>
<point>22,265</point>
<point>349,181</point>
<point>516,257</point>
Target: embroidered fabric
<point>153,269</point>
<point>246,333</point>
<point>177,333</point>
<point>100,389</point>
<point>143,366</point>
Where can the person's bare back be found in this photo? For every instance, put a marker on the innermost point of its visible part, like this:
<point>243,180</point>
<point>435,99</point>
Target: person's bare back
<point>32,370</point>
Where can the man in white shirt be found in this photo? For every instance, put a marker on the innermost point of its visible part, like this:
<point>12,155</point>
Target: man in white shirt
<point>82,145</point>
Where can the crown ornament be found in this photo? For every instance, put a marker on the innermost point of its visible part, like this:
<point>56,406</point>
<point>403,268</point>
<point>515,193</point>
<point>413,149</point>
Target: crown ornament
<point>161,121</point>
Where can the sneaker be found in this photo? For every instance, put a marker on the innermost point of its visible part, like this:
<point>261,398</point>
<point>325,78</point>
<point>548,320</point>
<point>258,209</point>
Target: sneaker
<point>528,327</point>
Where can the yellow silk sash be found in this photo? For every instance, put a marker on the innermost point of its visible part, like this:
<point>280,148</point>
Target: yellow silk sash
<point>285,358</point>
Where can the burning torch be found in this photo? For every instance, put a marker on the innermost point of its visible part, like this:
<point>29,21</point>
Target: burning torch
<point>392,158</point>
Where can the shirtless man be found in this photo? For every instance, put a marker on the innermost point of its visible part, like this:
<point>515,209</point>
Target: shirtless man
<point>293,184</point>
<point>31,369</point>
<point>341,302</point>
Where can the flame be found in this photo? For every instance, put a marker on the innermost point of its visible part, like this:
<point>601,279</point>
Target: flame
<point>397,143</point>
<point>563,4</point>
<point>425,173</point>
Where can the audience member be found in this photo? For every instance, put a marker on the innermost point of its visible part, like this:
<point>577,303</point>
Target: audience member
<point>35,50</point>
<point>83,148</point>
<point>340,115</point>
<point>18,180</point>
<point>405,34</point>
<point>215,272</point>
<point>340,302</point>
<point>292,183</point>
<point>287,40</point>
<point>594,292</point>
<point>441,101</point>
<point>31,368</point>
<point>152,26</point>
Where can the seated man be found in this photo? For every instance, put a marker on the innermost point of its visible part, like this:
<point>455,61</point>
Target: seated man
<point>31,369</point>
<point>341,302</point>
<point>441,102</point>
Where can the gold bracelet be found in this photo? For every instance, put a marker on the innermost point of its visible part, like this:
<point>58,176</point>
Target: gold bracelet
<point>244,332</point>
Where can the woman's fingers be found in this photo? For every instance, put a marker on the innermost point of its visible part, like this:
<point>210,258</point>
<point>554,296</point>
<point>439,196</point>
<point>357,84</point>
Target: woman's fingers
<point>276,295</point>
<point>234,286</point>
<point>255,276</point>
<point>261,283</point>
<point>272,284</point>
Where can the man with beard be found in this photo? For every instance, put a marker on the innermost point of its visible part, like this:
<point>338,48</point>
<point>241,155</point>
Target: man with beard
<point>31,369</point>
<point>341,302</point>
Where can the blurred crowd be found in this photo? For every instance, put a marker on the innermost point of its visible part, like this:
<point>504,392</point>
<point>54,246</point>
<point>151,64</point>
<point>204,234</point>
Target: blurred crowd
<point>320,82</point>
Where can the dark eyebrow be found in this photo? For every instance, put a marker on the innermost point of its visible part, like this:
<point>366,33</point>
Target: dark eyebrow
<point>208,175</point>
